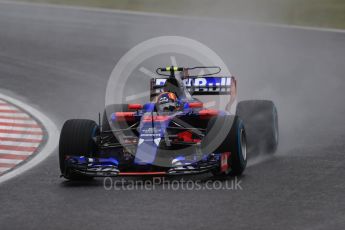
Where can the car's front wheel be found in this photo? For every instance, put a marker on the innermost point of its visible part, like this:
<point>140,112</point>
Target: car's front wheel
<point>77,139</point>
<point>233,146</point>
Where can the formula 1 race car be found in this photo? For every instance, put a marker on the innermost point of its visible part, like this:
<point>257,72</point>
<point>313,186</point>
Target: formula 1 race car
<point>173,134</point>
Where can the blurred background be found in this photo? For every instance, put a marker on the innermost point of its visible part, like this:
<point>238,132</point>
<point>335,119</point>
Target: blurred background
<point>315,13</point>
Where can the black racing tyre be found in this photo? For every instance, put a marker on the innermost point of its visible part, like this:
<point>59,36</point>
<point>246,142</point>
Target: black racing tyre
<point>77,139</point>
<point>109,110</point>
<point>233,141</point>
<point>261,120</point>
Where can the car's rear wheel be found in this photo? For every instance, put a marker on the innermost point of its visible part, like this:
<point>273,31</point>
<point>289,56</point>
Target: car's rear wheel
<point>233,144</point>
<point>261,120</point>
<point>77,139</point>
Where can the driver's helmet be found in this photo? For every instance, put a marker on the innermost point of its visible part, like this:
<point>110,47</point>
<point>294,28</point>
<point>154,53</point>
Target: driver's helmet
<point>167,102</point>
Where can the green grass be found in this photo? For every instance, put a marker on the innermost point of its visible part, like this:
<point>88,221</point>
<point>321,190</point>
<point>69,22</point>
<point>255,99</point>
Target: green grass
<point>320,13</point>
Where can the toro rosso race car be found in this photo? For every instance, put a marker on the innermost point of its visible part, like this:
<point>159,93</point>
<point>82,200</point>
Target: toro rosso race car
<point>173,134</point>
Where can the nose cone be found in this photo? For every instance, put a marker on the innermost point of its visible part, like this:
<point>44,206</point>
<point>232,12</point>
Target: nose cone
<point>147,151</point>
<point>152,130</point>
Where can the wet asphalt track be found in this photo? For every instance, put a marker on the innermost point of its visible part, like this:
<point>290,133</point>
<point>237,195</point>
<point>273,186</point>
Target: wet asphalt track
<point>59,60</point>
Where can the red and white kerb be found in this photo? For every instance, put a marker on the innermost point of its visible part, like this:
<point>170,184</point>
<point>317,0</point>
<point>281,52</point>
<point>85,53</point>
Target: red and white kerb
<point>20,136</point>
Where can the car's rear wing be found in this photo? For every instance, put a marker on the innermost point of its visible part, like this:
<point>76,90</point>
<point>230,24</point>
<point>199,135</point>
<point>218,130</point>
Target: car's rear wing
<point>196,85</point>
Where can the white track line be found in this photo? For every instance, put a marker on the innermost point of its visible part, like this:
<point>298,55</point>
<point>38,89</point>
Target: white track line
<point>20,128</point>
<point>48,148</point>
<point>14,152</point>
<point>3,169</point>
<point>18,121</point>
<point>10,161</point>
<point>22,144</point>
<point>9,107</point>
<point>27,136</point>
<point>20,115</point>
